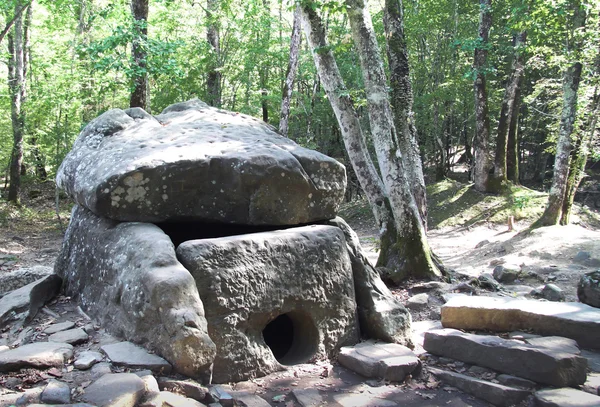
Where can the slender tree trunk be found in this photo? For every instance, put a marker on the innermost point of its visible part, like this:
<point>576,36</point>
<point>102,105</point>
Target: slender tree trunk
<point>140,94</point>
<point>572,76</point>
<point>264,37</point>
<point>402,102</point>
<point>481,158</point>
<point>213,76</point>
<point>17,86</point>
<point>288,85</point>
<point>507,115</point>
<point>512,146</point>
<point>408,252</point>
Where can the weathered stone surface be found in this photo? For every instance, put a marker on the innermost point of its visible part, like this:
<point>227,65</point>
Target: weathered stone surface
<point>72,336</point>
<point>62,326</point>
<point>217,394</point>
<point>507,356</point>
<point>570,319</point>
<point>514,381</point>
<point>506,274</point>
<point>565,398</point>
<point>418,302</point>
<point>588,289</point>
<point>87,359</point>
<point>20,277</point>
<point>198,162</point>
<point>387,361</point>
<point>28,299</point>
<point>555,344</point>
<point>251,400</point>
<point>188,388</point>
<point>493,393</point>
<point>115,390</point>
<point>592,384</point>
<point>165,398</point>
<point>308,397</point>
<point>56,393</point>
<point>552,292</point>
<point>151,299</point>
<point>132,356</point>
<point>301,275</point>
<point>150,381</point>
<point>39,354</point>
<point>100,369</point>
<point>593,359</point>
<point>362,400</point>
<point>381,315</point>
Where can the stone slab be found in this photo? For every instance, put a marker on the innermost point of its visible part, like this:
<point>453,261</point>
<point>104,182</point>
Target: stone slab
<point>592,384</point>
<point>61,326</point>
<point>71,336</point>
<point>165,398</point>
<point>508,356</point>
<point>56,392</point>
<point>28,299</point>
<point>250,400</point>
<point>569,319</point>
<point>496,394</point>
<point>129,355</point>
<point>188,388</point>
<point>555,344</point>
<point>87,359</point>
<point>40,354</point>
<point>115,390</point>
<point>308,397</point>
<point>565,397</point>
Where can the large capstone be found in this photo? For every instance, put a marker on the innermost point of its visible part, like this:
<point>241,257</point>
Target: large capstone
<point>195,162</point>
<point>274,298</point>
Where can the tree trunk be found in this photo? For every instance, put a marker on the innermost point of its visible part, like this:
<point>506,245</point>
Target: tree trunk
<point>571,79</point>
<point>213,76</point>
<point>264,37</point>
<point>402,102</point>
<point>408,252</point>
<point>288,85</point>
<point>482,166</point>
<point>507,116</point>
<point>140,93</point>
<point>16,82</point>
<point>512,146</point>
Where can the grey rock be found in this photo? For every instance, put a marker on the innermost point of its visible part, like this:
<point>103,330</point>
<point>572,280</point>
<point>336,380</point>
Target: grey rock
<point>581,257</point>
<point>87,359</point>
<point>220,395</point>
<point>251,400</point>
<point>62,326</point>
<point>482,243</point>
<point>308,397</point>
<point>56,392</point>
<point>115,390</point>
<point>487,281</point>
<point>132,356</point>
<point>188,388</point>
<point>39,354</point>
<point>418,302</point>
<point>165,398</point>
<point>480,370</point>
<point>27,398</point>
<point>552,292</point>
<point>150,381</point>
<point>588,289</point>
<point>493,393</point>
<point>232,167</point>
<point>593,359</point>
<point>429,286</point>
<point>592,384</point>
<point>72,336</point>
<point>565,398</point>
<point>514,381</point>
<point>506,274</point>
<point>302,276</point>
<point>387,361</point>
<point>556,344</point>
<point>20,277</point>
<point>518,289</point>
<point>100,369</point>
<point>568,319</point>
<point>28,299</point>
<point>507,356</point>
<point>151,299</point>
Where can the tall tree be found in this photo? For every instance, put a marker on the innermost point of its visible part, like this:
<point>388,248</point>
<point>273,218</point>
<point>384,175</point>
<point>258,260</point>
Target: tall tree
<point>213,76</point>
<point>17,90</point>
<point>481,153</point>
<point>288,85</point>
<point>140,94</point>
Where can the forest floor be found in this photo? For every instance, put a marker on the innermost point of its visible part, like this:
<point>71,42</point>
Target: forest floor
<point>459,220</point>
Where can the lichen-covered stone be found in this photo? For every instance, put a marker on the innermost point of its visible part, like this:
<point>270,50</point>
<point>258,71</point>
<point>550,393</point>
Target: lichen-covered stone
<point>588,289</point>
<point>198,162</point>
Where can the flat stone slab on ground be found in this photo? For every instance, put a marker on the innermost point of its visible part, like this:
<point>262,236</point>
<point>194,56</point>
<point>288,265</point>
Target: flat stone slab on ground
<point>388,361</point>
<point>565,397</point>
<point>555,344</point>
<point>87,359</point>
<point>40,354</point>
<point>61,326</point>
<point>308,397</point>
<point>250,400</point>
<point>29,298</point>
<point>56,392</point>
<point>71,336</point>
<point>133,356</point>
<point>188,388</point>
<point>569,319</point>
<point>508,356</point>
<point>496,394</point>
<point>115,390</point>
<point>592,384</point>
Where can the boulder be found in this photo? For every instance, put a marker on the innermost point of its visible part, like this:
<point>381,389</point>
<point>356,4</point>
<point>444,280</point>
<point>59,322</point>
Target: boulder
<point>39,355</point>
<point>106,266</point>
<point>588,289</point>
<point>56,393</point>
<point>197,162</point>
<point>273,298</point>
<point>506,274</point>
<point>508,356</point>
<point>134,357</point>
<point>115,390</point>
<point>496,394</point>
<point>569,319</point>
<point>29,299</point>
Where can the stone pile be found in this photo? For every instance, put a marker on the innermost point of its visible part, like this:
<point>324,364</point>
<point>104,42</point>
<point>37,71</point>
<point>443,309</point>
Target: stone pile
<point>212,240</point>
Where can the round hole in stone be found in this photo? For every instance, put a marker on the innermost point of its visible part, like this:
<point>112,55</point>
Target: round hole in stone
<point>292,337</point>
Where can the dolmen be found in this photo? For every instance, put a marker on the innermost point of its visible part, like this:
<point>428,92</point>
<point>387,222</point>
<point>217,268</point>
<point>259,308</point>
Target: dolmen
<point>210,239</point>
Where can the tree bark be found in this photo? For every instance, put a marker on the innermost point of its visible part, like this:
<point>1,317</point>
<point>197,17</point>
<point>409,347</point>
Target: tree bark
<point>482,165</point>
<point>213,76</point>
<point>140,94</point>
<point>512,147</point>
<point>288,85</point>
<point>17,86</point>
<point>507,116</point>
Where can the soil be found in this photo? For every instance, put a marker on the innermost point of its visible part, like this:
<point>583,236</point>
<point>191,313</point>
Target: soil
<point>546,254</point>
